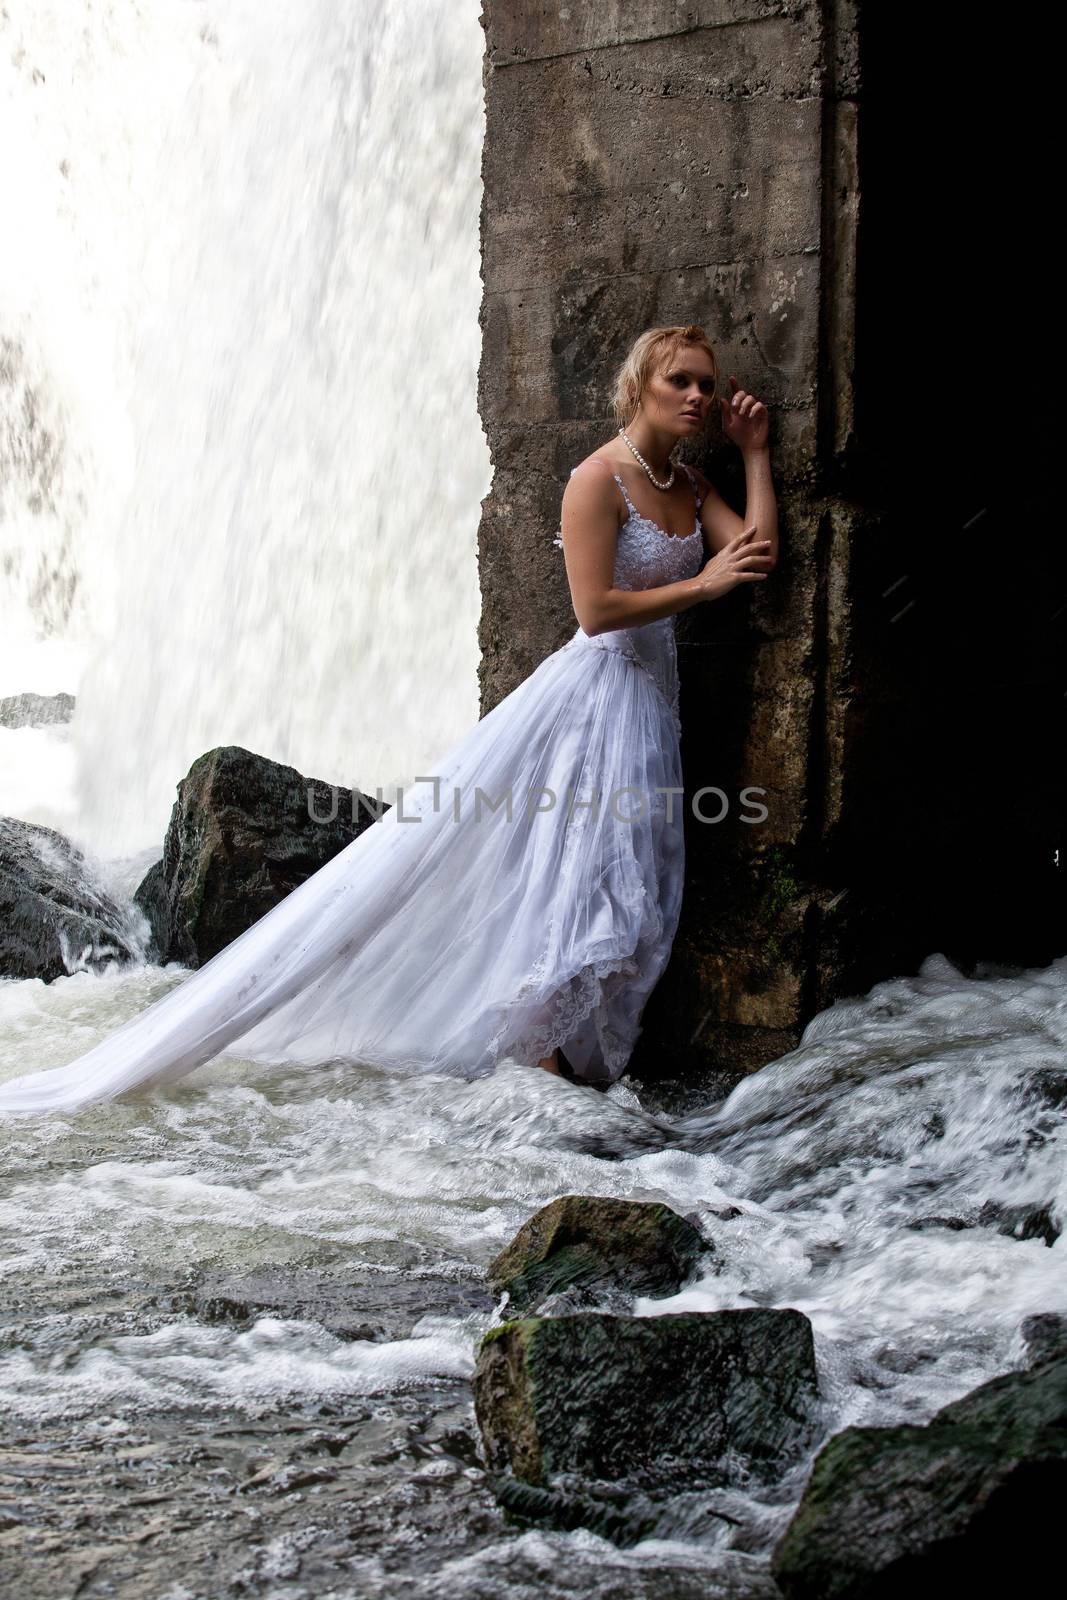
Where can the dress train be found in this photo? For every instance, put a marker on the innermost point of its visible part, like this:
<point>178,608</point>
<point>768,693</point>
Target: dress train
<point>500,911</point>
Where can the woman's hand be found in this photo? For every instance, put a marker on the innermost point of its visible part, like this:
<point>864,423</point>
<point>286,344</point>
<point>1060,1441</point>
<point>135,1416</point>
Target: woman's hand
<point>744,419</point>
<point>741,561</point>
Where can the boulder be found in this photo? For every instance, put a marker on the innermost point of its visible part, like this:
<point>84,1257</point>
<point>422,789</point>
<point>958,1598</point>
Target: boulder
<point>53,918</point>
<point>969,1503</point>
<point>151,899</point>
<point>582,1248</point>
<point>1044,1335</point>
<point>668,1402</point>
<point>244,832</point>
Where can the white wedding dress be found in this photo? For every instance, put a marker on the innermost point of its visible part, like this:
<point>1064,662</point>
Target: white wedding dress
<point>463,936</point>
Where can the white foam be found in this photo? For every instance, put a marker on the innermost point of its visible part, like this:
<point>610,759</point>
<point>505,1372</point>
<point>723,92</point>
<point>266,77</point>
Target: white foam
<point>186,1366</point>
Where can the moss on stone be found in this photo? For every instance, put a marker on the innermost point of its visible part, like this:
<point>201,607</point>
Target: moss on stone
<point>673,1399</point>
<point>587,1244</point>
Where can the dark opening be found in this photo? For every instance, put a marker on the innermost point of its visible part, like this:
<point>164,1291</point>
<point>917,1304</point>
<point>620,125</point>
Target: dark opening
<point>957,797</point>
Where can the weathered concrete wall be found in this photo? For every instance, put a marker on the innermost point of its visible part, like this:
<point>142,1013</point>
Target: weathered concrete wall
<point>665,163</point>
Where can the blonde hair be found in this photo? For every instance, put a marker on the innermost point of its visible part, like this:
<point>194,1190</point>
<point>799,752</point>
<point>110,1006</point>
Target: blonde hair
<point>650,350</point>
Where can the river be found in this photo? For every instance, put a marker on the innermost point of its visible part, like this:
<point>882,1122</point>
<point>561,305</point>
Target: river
<point>241,1314</point>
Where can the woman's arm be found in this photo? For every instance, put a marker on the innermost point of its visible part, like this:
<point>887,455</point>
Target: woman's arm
<point>744,421</point>
<point>589,526</point>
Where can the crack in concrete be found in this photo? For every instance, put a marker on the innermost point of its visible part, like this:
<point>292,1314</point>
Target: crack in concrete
<point>644,38</point>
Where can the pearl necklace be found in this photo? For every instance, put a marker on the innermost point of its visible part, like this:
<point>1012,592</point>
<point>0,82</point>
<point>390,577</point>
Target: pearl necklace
<point>645,464</point>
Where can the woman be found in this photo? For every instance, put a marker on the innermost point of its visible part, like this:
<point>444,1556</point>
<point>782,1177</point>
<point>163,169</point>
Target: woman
<point>521,901</point>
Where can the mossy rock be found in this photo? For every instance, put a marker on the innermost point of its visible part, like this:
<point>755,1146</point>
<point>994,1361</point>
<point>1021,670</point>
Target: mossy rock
<point>584,1245</point>
<point>667,1402</point>
<point>969,1503</point>
<point>244,832</point>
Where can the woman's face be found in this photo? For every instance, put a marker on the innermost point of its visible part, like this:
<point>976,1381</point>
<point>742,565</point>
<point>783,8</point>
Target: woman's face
<point>679,396</point>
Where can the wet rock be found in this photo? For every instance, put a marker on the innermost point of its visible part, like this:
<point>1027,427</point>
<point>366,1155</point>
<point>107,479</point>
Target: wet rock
<point>951,1507</point>
<point>1026,1221</point>
<point>244,832</point>
<point>53,918</point>
<point>1048,1086</point>
<point>1020,1221</point>
<point>625,1144</point>
<point>663,1402</point>
<point>1045,1336</point>
<point>35,710</point>
<point>620,1516</point>
<point>375,1307</point>
<point>150,897</point>
<point>583,1247</point>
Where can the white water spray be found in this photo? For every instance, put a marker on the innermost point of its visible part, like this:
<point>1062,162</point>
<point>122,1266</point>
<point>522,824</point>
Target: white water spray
<point>240,457</point>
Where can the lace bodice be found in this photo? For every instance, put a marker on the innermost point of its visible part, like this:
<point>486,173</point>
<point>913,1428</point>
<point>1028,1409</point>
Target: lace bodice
<point>645,558</point>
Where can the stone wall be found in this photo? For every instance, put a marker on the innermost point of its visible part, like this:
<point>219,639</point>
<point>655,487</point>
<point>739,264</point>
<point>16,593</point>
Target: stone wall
<point>650,163</point>
<point>665,163</point>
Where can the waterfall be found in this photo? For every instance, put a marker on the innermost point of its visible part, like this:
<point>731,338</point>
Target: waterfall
<point>240,459</point>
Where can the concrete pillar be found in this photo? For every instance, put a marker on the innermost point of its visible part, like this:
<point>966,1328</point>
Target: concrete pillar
<point>652,162</point>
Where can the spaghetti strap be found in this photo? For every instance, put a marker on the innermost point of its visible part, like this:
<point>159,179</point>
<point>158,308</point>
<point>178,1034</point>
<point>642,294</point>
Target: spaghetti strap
<point>631,508</point>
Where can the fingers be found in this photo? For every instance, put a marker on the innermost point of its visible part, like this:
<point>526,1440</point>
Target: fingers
<point>746,405</point>
<point>741,403</point>
<point>744,552</point>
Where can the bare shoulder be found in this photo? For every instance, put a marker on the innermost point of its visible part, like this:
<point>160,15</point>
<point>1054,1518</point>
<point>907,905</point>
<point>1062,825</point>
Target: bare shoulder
<point>595,468</point>
<point>592,481</point>
<point>591,500</point>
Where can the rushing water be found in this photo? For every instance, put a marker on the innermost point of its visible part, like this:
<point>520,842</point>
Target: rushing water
<point>240,456</point>
<point>241,1314</point>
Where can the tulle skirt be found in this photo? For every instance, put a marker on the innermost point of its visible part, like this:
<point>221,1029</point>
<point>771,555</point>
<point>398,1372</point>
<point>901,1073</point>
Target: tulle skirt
<point>524,895</point>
